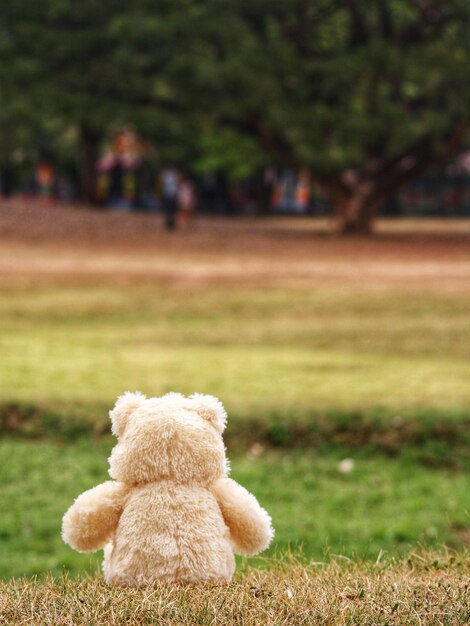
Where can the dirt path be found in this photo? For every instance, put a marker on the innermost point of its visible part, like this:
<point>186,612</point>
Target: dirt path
<point>63,244</point>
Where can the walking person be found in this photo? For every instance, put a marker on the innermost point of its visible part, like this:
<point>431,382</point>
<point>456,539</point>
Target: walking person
<point>170,182</point>
<point>186,202</point>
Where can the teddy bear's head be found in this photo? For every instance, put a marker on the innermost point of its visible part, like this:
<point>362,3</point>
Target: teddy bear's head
<point>174,438</point>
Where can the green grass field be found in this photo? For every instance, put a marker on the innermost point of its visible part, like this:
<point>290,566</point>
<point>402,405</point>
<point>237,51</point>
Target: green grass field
<point>383,505</point>
<point>332,365</point>
<point>285,351</point>
<point>323,370</point>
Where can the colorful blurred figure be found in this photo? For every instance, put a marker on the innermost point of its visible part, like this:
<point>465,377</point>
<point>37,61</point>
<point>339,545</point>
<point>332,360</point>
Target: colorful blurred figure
<point>302,192</point>
<point>292,192</point>
<point>186,202</point>
<point>45,181</point>
<point>116,176</point>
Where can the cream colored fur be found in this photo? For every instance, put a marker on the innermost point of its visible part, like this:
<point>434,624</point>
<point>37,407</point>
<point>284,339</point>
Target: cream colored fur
<point>171,514</point>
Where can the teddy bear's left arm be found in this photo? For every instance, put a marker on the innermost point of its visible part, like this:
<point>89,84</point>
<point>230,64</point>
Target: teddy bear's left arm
<point>250,526</point>
<point>92,519</point>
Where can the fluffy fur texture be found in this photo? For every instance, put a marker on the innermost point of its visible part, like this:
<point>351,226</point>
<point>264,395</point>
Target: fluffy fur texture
<point>171,514</point>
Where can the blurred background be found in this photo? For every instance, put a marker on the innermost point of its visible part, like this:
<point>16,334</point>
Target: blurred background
<point>264,201</point>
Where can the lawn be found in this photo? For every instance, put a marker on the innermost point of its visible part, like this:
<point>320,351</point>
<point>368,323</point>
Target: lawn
<point>311,372</point>
<point>382,506</point>
<point>423,588</point>
<point>288,359</point>
<point>262,351</point>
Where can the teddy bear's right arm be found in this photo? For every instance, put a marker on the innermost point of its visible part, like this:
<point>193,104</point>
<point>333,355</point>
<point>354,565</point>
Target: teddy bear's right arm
<point>249,524</point>
<point>92,519</point>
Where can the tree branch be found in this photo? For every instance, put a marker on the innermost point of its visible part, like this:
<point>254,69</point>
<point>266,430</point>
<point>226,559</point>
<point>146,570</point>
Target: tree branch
<point>358,34</point>
<point>411,165</point>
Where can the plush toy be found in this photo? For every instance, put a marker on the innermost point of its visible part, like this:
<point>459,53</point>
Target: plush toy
<point>171,513</point>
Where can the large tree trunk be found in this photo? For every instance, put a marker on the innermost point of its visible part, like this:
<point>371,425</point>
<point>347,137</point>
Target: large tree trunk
<point>355,212</point>
<point>355,205</point>
<point>357,195</point>
<point>89,152</point>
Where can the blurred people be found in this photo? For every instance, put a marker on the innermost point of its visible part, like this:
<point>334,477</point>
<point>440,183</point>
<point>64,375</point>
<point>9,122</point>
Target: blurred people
<point>45,181</point>
<point>186,201</point>
<point>268,181</point>
<point>276,195</point>
<point>145,178</point>
<point>116,179</point>
<point>292,192</point>
<point>116,197</point>
<point>64,189</point>
<point>170,178</point>
<point>302,192</point>
<point>7,179</point>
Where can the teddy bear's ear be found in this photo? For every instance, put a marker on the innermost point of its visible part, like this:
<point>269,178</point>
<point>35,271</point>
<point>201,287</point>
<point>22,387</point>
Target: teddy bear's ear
<point>211,409</point>
<point>123,409</point>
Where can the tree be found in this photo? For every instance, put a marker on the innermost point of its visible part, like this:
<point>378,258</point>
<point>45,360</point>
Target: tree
<point>78,65</point>
<point>367,94</point>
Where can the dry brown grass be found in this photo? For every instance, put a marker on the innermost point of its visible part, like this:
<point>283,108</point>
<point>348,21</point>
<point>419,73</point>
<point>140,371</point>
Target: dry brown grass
<point>75,245</point>
<point>425,588</point>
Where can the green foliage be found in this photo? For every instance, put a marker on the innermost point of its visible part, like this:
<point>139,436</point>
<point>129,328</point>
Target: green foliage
<point>223,149</point>
<point>373,87</point>
<point>332,85</point>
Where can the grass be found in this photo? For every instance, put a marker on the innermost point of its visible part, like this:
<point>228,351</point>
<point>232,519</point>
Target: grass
<point>311,374</point>
<point>423,588</point>
<point>383,505</point>
<point>286,351</point>
<point>327,373</point>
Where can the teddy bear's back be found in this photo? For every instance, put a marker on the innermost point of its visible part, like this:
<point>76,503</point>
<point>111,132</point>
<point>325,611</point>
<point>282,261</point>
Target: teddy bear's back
<point>169,532</point>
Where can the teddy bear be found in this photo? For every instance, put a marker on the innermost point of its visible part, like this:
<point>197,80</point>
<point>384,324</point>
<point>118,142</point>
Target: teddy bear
<point>171,514</point>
